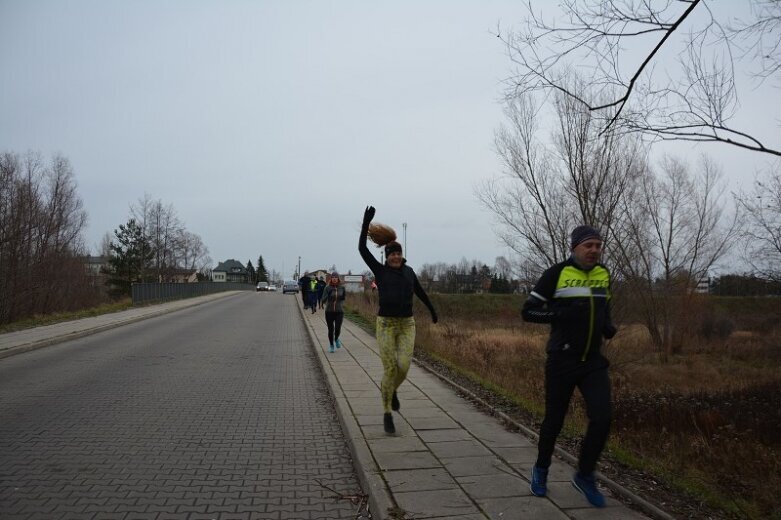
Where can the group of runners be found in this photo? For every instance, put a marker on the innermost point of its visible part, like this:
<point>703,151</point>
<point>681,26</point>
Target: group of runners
<point>572,296</point>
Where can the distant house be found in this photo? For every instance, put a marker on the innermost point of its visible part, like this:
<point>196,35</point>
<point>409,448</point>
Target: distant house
<point>94,264</point>
<point>96,268</point>
<point>320,274</point>
<point>230,271</point>
<point>181,276</point>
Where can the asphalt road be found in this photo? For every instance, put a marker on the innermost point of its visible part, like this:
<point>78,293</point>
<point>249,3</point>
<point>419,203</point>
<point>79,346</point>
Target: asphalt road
<point>216,411</point>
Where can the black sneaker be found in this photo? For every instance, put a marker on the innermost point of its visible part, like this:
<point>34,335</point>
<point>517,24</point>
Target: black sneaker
<point>388,420</point>
<point>395,404</point>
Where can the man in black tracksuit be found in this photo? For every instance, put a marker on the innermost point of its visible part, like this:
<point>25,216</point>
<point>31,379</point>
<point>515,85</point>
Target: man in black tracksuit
<point>304,282</point>
<point>574,297</point>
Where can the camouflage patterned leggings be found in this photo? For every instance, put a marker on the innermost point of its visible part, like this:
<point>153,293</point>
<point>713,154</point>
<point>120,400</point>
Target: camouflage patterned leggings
<point>396,338</point>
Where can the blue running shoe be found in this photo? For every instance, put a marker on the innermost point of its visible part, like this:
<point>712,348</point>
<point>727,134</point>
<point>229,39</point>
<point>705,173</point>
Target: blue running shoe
<point>338,343</point>
<point>331,348</point>
<point>588,486</point>
<point>539,483</point>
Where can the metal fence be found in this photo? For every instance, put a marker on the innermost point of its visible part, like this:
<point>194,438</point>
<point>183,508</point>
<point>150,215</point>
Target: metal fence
<point>159,292</point>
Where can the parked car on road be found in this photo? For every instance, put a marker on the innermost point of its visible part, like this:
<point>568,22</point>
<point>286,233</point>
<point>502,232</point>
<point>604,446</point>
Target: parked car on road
<point>262,286</point>
<point>290,286</point>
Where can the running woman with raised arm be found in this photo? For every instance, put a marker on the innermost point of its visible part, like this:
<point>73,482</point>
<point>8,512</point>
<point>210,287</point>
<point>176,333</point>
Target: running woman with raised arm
<point>396,284</point>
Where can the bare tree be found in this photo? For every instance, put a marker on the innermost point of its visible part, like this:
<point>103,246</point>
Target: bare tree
<point>162,229</point>
<point>41,245</point>
<point>191,253</point>
<point>762,207</point>
<point>672,231</point>
<point>172,246</point>
<point>694,100</point>
<point>549,186</point>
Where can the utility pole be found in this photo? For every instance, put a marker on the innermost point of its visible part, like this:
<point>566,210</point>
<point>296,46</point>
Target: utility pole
<point>404,225</point>
<point>298,273</point>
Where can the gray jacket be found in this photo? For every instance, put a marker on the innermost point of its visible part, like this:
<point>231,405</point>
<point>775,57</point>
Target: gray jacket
<point>332,298</point>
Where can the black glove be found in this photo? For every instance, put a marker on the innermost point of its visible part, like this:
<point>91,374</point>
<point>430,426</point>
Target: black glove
<point>368,215</point>
<point>434,316</point>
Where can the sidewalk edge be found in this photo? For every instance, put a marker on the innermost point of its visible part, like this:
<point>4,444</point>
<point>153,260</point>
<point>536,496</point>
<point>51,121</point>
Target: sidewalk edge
<point>369,474</point>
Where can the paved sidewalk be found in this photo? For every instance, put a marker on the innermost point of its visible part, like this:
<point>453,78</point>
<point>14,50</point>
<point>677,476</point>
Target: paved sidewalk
<point>30,339</point>
<point>447,459</point>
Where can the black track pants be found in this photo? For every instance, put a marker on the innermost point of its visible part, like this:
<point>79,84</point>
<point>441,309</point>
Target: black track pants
<point>564,372</point>
<point>334,322</point>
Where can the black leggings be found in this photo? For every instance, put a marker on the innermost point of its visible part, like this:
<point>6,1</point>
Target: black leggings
<point>564,372</point>
<point>334,322</point>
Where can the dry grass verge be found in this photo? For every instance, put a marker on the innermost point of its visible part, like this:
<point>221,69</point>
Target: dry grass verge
<point>706,423</point>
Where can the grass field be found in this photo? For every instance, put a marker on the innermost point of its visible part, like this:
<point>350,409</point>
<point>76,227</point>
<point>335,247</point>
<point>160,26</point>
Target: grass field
<point>708,422</point>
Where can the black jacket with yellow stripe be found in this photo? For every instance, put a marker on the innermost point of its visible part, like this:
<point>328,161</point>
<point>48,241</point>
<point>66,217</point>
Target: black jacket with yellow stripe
<point>577,305</point>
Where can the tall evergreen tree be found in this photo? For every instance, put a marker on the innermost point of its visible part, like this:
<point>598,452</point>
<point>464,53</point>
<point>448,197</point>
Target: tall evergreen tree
<point>131,254</point>
<point>251,273</point>
<point>262,273</point>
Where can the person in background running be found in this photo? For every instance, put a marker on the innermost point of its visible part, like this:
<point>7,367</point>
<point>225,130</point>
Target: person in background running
<point>313,294</point>
<point>574,297</point>
<point>320,288</point>
<point>333,296</point>
<point>304,283</point>
<point>395,331</point>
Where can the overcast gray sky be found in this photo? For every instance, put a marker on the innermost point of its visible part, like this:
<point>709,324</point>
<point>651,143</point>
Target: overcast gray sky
<point>268,125</point>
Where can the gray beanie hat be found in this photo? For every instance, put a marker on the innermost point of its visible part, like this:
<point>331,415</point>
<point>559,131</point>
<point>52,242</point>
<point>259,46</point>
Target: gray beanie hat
<point>582,233</point>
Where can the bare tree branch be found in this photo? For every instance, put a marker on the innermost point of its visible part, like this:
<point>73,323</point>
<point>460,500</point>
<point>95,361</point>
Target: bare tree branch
<point>599,35</point>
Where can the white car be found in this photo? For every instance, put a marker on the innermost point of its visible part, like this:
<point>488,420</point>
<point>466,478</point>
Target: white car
<point>271,287</point>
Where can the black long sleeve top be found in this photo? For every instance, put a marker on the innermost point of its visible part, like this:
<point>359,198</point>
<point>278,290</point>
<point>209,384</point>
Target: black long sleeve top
<point>395,286</point>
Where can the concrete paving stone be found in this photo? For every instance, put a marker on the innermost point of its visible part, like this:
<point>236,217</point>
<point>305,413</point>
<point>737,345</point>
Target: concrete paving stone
<point>438,503</point>
<point>396,444</point>
<point>407,460</point>
<point>520,508</point>
<point>494,486</point>
<point>425,423</point>
<point>412,394</point>
<point>468,466</point>
<point>408,404</point>
<point>368,409</point>
<point>450,449</point>
<point>350,394</point>
<point>420,480</point>
<point>377,431</point>
<point>527,455</point>
<point>503,439</point>
<point>372,402</point>
<point>431,411</point>
<point>444,435</point>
